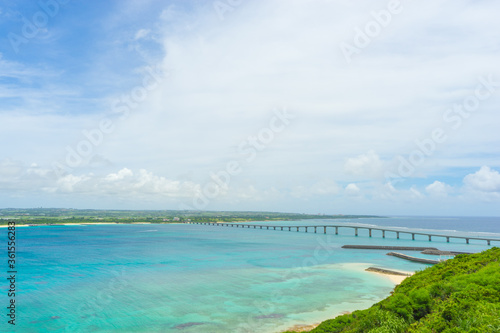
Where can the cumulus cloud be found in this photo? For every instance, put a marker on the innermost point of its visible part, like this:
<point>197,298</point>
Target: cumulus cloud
<point>483,180</point>
<point>17,177</point>
<point>10,169</point>
<point>438,189</point>
<point>365,165</point>
<point>387,192</point>
<point>119,175</point>
<point>68,183</point>
<point>352,190</point>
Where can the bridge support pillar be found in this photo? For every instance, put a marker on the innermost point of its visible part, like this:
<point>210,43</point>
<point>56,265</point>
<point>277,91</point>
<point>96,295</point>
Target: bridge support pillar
<point>430,238</point>
<point>467,240</point>
<point>289,228</point>
<point>254,226</point>
<point>324,230</point>
<point>297,229</point>
<point>261,227</point>
<point>412,236</point>
<point>314,229</point>
<point>356,232</point>
<point>397,234</point>
<point>383,233</point>
<point>370,232</point>
<point>274,228</point>
<point>447,239</point>
<point>306,229</point>
<point>489,243</point>
<point>267,227</point>
<point>281,228</point>
<point>336,230</point>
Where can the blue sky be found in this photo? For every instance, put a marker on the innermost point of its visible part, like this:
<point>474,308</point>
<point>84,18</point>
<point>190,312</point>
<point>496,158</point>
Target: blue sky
<point>371,107</point>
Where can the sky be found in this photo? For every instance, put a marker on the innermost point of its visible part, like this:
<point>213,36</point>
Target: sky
<point>320,106</point>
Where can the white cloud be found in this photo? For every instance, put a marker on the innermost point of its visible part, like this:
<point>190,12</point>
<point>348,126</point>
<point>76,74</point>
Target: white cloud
<point>484,180</point>
<point>10,169</point>
<point>365,165</point>
<point>438,189</point>
<point>69,182</point>
<point>388,193</point>
<point>352,190</point>
<point>119,175</point>
<point>142,33</point>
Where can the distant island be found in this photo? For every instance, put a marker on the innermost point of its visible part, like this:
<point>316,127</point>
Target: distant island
<point>51,216</point>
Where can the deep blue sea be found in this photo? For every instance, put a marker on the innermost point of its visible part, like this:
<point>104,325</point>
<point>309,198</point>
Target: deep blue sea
<point>195,278</point>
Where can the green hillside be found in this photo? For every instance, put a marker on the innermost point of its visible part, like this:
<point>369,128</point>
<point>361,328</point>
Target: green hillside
<point>459,295</point>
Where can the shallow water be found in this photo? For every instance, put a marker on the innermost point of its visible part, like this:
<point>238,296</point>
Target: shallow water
<point>197,278</point>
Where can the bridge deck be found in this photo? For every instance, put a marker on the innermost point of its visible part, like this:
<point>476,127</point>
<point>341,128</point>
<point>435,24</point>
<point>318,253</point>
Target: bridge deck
<point>356,228</point>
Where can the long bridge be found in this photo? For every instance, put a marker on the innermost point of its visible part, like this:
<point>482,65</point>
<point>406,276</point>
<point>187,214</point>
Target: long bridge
<point>337,227</point>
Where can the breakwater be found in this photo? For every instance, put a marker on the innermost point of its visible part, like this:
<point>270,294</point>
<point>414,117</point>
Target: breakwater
<point>400,248</point>
<point>415,259</point>
<point>386,271</point>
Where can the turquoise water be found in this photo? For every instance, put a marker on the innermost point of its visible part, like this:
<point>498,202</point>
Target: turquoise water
<point>196,278</point>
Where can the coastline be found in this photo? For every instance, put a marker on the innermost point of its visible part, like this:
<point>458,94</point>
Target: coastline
<point>393,275</point>
<point>396,279</point>
<point>78,223</point>
<point>359,267</point>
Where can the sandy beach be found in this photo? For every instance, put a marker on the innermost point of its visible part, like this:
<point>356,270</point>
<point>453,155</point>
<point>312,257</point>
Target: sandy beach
<point>396,279</point>
<point>360,267</point>
<point>302,328</point>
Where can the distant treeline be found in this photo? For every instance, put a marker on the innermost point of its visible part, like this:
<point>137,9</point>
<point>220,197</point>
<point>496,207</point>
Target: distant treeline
<point>61,215</point>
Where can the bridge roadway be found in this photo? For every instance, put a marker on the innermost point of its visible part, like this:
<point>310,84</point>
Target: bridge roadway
<point>356,228</point>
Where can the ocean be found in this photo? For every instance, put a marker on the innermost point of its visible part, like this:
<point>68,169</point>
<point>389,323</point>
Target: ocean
<point>198,278</point>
